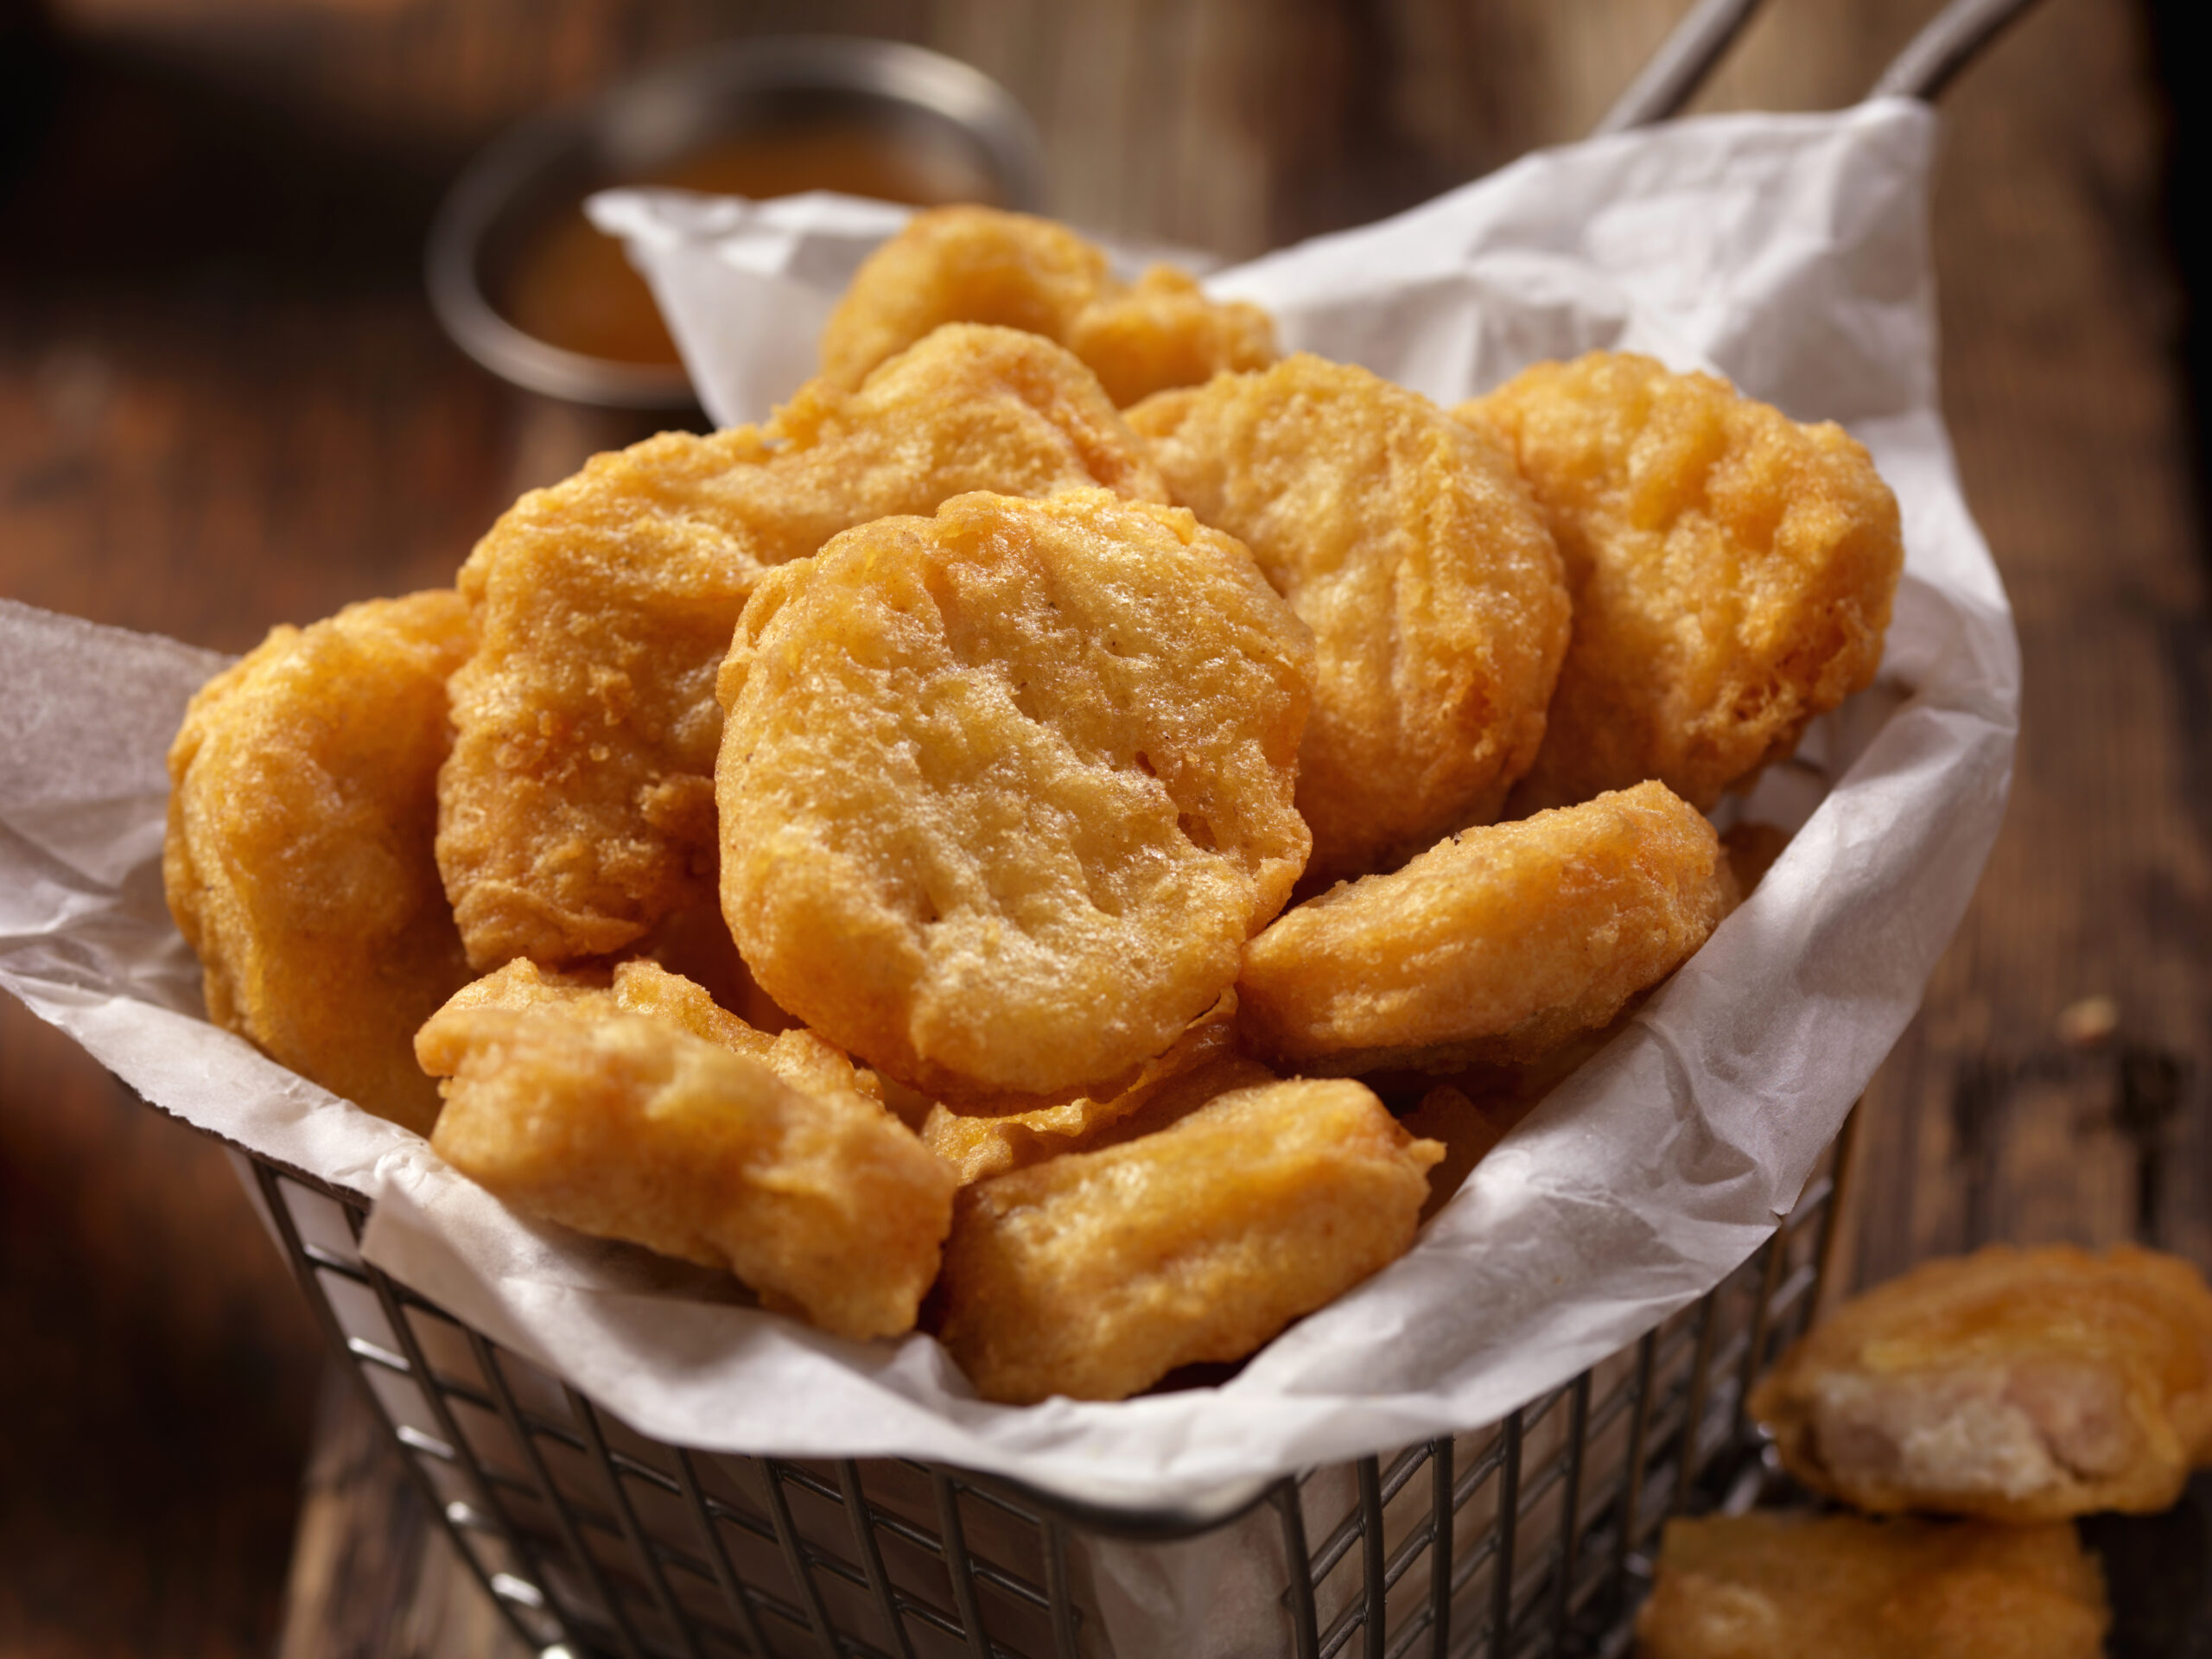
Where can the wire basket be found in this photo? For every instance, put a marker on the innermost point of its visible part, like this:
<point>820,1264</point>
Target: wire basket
<point>1528,1537</point>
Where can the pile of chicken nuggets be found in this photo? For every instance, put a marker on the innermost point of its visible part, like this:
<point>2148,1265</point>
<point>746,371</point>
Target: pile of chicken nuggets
<point>1001,844</point>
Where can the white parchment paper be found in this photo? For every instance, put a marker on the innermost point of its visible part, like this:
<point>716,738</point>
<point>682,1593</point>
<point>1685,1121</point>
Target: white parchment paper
<point>1789,252</point>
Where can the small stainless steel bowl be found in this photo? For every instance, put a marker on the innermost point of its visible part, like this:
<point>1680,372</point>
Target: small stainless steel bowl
<point>544,165</point>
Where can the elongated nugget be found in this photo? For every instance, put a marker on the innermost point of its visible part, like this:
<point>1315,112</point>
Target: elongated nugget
<point>1004,792</point>
<point>979,265</point>
<point>1095,1273</point>
<point>1768,1585</point>
<point>577,808</point>
<point>1408,543</point>
<point>1732,573</point>
<point>642,1112</point>
<point>303,801</point>
<point>2022,1385</point>
<point>1492,947</point>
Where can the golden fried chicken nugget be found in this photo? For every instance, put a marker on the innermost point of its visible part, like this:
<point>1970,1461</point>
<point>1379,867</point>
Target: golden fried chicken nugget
<point>979,264</point>
<point>302,804</point>
<point>1732,572</point>
<point>577,808</point>
<point>2020,1385</point>
<point>1161,332</point>
<point>1095,1273</point>
<point>1409,545</point>
<point>1492,947</point>
<point>642,1111</point>
<point>1004,792</point>
<point>1789,1585</point>
<point>979,1145</point>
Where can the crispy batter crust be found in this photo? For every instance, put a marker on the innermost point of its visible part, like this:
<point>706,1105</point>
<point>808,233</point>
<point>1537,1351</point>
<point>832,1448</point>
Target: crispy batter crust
<point>1004,792</point>
<point>1095,1273</point>
<point>1491,947</point>
<point>1408,543</point>
<point>1767,1586</point>
<point>577,808</point>
<point>641,1111</point>
<point>979,265</point>
<point>980,1145</point>
<point>301,808</point>
<point>1732,572</point>
<point>2021,1385</point>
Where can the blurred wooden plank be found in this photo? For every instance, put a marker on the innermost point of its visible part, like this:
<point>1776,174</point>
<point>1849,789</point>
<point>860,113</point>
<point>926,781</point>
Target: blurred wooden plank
<point>2062,385</point>
<point>156,1374</point>
<point>374,1575</point>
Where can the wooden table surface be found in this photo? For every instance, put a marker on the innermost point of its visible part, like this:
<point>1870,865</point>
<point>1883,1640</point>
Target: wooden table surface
<point>224,405</point>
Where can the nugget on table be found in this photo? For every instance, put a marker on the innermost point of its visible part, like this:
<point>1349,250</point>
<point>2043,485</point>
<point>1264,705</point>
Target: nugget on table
<point>1095,1273</point>
<point>577,812</point>
<point>2017,1384</point>
<point>298,862</point>
<point>1790,1585</point>
<point>639,1110</point>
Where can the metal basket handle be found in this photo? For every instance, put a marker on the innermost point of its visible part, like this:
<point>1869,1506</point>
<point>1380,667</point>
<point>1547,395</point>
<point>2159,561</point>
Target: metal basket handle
<point>1686,58</point>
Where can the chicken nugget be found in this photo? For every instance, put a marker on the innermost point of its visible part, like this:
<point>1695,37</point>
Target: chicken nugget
<point>302,804</point>
<point>1004,792</point>
<point>577,808</point>
<point>641,1111</point>
<point>1732,572</point>
<point>1780,1586</point>
<point>979,264</point>
<point>1095,1273</point>
<point>1409,545</point>
<point>2019,1385</point>
<point>1492,947</point>
<point>978,1145</point>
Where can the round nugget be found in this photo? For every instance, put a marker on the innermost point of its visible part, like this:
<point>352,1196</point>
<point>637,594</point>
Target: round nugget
<point>980,264</point>
<point>1004,792</point>
<point>577,813</point>
<point>303,803</point>
<point>2021,1385</point>
<point>1438,611</point>
<point>1732,573</point>
<point>1493,947</point>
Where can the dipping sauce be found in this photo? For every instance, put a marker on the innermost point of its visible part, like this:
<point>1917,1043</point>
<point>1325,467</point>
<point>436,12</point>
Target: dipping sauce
<point>570,285</point>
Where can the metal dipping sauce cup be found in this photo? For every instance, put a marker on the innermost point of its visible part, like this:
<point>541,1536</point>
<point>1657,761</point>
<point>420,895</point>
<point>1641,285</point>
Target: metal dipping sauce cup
<point>803,112</point>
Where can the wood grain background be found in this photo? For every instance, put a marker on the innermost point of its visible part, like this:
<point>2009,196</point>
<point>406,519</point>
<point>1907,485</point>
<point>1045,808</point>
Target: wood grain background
<point>224,405</point>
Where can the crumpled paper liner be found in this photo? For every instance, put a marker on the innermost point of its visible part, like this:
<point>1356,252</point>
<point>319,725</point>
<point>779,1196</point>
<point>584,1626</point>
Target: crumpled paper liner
<point>1788,252</point>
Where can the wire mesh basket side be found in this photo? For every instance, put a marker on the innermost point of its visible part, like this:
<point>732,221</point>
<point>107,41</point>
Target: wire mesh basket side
<point>1587,1474</point>
<point>594,1537</point>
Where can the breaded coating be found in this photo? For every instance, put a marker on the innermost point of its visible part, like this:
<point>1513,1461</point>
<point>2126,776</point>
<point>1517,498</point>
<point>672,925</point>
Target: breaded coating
<point>1493,948</point>
<point>1416,556</point>
<point>302,804</point>
<point>1094,1274</point>
<point>1004,792</point>
<point>577,808</point>
<point>2020,1385</point>
<point>1791,1586</point>
<point>1409,545</point>
<point>978,1146</point>
<point>979,264</point>
<point>1732,570</point>
<point>1161,332</point>
<point>643,1112</point>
